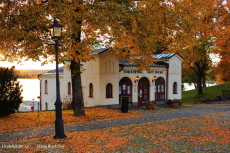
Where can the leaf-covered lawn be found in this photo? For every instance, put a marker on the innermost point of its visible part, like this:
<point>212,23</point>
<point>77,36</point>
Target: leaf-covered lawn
<point>202,134</point>
<point>19,121</point>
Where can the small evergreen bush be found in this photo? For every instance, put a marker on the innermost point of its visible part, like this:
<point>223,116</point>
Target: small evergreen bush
<point>10,92</point>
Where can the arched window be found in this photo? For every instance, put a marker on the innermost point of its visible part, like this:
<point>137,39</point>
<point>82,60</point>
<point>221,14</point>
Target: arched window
<point>46,87</point>
<point>160,89</point>
<point>91,90</point>
<point>69,88</point>
<point>109,90</point>
<point>174,88</point>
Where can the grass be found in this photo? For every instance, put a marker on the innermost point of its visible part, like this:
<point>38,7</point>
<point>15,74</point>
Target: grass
<point>208,92</point>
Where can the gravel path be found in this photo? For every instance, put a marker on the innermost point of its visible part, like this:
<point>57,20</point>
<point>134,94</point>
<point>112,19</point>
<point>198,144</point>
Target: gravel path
<point>150,117</point>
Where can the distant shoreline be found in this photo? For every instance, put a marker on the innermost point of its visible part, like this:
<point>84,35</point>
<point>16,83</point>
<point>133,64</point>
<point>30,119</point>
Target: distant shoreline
<point>29,74</point>
<point>27,78</point>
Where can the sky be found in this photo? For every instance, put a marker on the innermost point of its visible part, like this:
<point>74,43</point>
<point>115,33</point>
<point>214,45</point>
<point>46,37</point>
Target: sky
<point>28,65</point>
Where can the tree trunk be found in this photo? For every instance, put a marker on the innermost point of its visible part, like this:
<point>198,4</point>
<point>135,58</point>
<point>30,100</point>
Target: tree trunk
<point>195,85</point>
<point>75,67</point>
<point>204,80</point>
<point>200,72</point>
<point>77,97</point>
<point>199,84</point>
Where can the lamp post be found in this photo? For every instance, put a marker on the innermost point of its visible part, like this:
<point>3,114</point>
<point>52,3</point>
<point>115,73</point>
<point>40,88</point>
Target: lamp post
<point>55,31</point>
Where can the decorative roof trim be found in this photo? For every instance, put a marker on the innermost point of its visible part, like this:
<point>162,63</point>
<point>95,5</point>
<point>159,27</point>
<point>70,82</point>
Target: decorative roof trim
<point>156,64</point>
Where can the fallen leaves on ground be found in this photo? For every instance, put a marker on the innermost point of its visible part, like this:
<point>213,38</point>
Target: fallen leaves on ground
<point>203,133</point>
<point>81,142</point>
<point>46,118</point>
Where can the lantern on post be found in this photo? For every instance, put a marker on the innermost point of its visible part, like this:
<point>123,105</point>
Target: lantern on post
<point>137,79</point>
<point>154,79</point>
<point>55,32</point>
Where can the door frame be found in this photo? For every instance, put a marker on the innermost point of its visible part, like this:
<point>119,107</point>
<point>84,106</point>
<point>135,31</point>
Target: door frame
<point>143,95</point>
<point>128,88</point>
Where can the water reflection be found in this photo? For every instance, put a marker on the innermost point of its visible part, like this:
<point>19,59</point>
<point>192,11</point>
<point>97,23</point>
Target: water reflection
<point>191,86</point>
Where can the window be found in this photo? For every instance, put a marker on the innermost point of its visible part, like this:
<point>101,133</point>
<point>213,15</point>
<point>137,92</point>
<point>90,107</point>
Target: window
<point>109,90</point>
<point>46,87</point>
<point>69,88</point>
<point>174,88</point>
<point>160,89</point>
<point>91,90</point>
<point>46,106</point>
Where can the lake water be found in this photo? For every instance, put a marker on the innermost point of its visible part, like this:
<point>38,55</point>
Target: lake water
<point>31,89</point>
<point>191,87</point>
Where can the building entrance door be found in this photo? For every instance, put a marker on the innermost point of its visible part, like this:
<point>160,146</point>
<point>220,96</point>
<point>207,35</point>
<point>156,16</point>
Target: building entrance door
<point>143,90</point>
<point>125,89</point>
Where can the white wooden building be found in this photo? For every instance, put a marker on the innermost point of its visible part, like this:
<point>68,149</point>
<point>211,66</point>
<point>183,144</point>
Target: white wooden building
<point>106,79</point>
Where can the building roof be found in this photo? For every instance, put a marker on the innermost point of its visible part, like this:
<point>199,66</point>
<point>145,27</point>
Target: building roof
<point>165,56</point>
<point>156,64</point>
<point>53,72</point>
<point>98,51</point>
<point>125,63</point>
<point>157,56</point>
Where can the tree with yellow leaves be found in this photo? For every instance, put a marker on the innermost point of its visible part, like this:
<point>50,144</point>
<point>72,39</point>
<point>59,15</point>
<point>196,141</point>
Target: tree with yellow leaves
<point>134,29</point>
<point>222,70</point>
<point>195,37</point>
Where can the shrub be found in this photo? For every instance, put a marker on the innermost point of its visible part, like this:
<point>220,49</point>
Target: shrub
<point>149,102</point>
<point>169,101</point>
<point>10,92</point>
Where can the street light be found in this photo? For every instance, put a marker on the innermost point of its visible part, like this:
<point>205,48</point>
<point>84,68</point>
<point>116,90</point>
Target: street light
<point>137,79</point>
<point>55,31</point>
<point>154,79</point>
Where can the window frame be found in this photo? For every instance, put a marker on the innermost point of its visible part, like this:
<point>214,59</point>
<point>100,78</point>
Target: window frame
<point>46,87</point>
<point>91,90</point>
<point>175,88</point>
<point>69,88</point>
<point>109,90</point>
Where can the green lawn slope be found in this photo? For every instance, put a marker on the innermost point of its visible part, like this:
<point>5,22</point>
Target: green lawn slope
<point>208,92</point>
